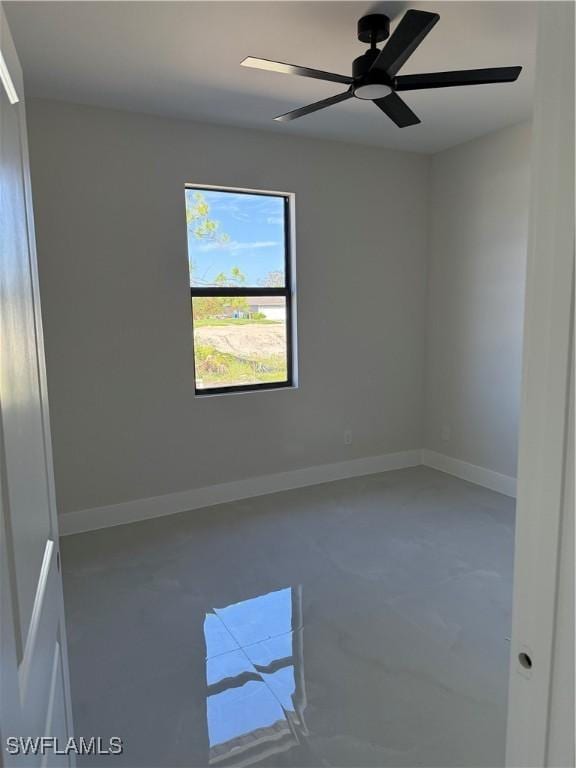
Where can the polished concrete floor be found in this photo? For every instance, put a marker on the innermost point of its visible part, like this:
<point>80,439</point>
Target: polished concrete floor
<point>358,623</point>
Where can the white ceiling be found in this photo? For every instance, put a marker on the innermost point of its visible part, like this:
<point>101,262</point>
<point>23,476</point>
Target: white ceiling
<point>182,59</point>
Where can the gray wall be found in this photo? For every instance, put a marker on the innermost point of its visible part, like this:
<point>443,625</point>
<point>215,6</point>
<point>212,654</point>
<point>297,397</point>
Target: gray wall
<point>479,194</point>
<point>109,199</point>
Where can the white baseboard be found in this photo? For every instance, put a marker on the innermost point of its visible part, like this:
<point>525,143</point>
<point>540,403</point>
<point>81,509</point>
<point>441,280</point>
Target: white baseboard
<point>92,519</point>
<point>474,474</point>
<point>142,509</point>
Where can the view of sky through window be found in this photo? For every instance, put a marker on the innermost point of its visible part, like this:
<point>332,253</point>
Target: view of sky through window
<point>235,238</point>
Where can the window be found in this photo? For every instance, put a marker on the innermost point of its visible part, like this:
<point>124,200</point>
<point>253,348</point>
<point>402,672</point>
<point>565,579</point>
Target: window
<point>239,253</point>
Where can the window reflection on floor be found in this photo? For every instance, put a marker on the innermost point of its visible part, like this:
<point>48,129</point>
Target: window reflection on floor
<point>255,677</point>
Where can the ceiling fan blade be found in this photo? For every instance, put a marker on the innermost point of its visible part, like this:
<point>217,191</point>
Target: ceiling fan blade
<point>460,77</point>
<point>292,69</point>
<point>407,36</point>
<point>397,110</point>
<point>314,107</point>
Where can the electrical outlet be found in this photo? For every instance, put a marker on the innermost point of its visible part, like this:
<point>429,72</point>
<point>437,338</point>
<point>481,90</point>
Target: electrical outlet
<point>347,437</point>
<point>446,432</point>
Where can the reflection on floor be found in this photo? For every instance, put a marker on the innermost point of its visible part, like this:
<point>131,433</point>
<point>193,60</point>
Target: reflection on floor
<point>255,684</point>
<point>357,623</point>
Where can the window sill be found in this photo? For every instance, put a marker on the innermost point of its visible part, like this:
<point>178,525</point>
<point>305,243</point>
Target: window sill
<point>252,390</point>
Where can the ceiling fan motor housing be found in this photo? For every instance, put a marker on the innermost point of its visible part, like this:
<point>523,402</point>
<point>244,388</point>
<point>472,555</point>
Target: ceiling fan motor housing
<point>368,83</point>
<point>371,85</point>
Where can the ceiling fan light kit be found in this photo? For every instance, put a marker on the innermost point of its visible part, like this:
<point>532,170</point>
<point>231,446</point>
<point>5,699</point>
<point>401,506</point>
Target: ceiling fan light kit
<point>374,74</point>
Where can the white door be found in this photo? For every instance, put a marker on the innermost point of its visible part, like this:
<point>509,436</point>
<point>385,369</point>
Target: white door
<point>541,689</point>
<point>34,688</point>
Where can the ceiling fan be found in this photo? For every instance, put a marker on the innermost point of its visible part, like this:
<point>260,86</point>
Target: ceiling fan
<point>374,73</point>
